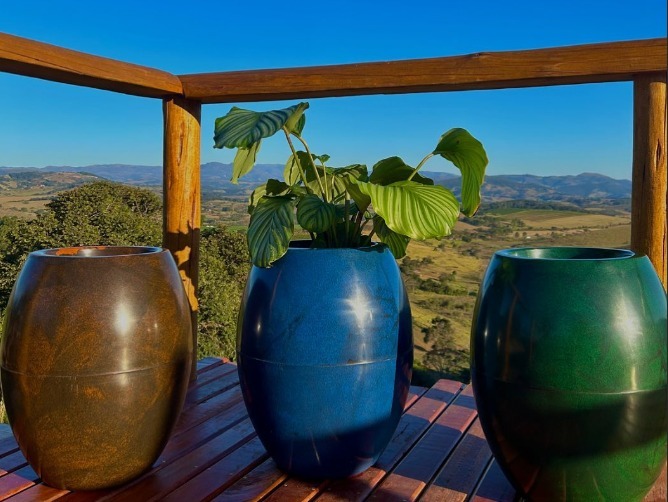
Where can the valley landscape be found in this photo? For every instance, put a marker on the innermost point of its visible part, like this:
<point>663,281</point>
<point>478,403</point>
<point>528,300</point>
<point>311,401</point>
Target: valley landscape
<point>442,276</point>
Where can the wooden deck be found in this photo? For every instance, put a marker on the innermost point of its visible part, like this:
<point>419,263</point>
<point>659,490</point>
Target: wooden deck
<point>437,454</point>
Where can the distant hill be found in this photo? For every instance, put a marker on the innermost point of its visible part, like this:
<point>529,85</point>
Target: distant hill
<point>46,182</point>
<point>216,176</point>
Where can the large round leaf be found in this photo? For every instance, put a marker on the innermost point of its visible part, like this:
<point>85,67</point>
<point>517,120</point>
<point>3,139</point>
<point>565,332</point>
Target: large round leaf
<point>241,128</point>
<point>467,153</point>
<point>314,214</point>
<point>396,242</point>
<point>271,187</point>
<point>270,230</point>
<point>415,210</point>
<point>393,169</point>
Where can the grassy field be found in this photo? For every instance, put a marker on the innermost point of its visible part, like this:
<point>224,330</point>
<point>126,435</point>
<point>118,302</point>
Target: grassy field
<point>460,261</point>
<point>23,203</point>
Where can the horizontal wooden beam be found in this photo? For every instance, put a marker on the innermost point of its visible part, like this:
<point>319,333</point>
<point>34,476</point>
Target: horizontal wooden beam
<point>607,62</point>
<point>36,59</point>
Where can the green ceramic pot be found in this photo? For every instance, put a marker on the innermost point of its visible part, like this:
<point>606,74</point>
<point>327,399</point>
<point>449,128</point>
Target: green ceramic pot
<point>568,361</point>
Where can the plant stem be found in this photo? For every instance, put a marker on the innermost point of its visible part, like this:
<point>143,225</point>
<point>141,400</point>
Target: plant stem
<point>323,189</point>
<point>347,217</point>
<point>420,165</point>
<point>294,156</point>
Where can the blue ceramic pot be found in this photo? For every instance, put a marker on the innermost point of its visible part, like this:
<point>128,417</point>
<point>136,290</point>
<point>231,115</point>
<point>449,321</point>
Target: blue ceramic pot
<point>568,361</point>
<point>325,355</point>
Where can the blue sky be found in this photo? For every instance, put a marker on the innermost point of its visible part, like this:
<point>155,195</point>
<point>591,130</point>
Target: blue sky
<point>545,131</point>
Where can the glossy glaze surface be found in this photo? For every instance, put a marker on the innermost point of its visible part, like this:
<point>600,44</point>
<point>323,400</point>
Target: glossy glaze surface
<point>325,357</point>
<point>568,362</point>
<point>95,362</point>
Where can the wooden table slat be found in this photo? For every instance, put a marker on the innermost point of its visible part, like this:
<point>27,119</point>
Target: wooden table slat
<point>412,475</point>
<point>11,483</point>
<point>412,426</point>
<point>438,453</point>
<point>463,470</point>
<point>494,487</point>
<point>222,474</point>
<point>8,446</point>
<point>254,485</point>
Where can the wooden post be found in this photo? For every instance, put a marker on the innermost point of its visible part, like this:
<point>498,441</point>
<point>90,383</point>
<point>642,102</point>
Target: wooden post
<point>182,195</point>
<point>649,197</point>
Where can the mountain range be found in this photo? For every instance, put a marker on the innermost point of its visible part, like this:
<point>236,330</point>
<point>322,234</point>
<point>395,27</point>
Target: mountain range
<point>215,178</point>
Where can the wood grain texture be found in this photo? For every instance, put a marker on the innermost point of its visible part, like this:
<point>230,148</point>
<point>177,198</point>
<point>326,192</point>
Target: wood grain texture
<point>215,454</point>
<point>254,485</point>
<point>494,487</point>
<point>411,476</point>
<point>182,196</point>
<point>649,194</point>
<point>36,59</point>
<point>607,62</point>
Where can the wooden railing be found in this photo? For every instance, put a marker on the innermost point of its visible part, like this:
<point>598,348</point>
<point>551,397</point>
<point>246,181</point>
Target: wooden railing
<point>642,62</point>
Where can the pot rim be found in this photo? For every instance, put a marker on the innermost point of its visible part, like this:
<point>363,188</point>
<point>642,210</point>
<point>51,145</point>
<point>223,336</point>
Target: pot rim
<point>97,251</point>
<point>567,253</point>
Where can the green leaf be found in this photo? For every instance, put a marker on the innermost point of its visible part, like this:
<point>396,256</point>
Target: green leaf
<point>291,170</point>
<point>396,242</point>
<point>241,128</point>
<point>322,158</point>
<point>270,230</point>
<point>413,209</point>
<point>255,197</point>
<point>393,169</point>
<point>276,187</point>
<point>314,214</point>
<point>362,200</point>
<point>244,161</point>
<point>467,153</point>
<point>344,179</point>
<point>295,124</point>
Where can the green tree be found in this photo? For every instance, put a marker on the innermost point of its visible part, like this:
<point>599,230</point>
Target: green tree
<point>107,214</point>
<point>224,265</point>
<point>100,213</point>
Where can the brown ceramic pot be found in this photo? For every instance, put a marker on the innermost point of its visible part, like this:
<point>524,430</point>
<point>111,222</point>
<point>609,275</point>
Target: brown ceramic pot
<point>96,357</point>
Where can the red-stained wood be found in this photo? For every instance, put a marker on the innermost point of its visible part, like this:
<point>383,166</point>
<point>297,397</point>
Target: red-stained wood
<point>413,424</point>
<point>36,59</point>
<point>8,445</point>
<point>158,483</point>
<point>494,487</point>
<point>11,484</point>
<point>41,492</point>
<point>190,417</point>
<point>219,457</point>
<point>255,485</point>
<point>13,461</point>
<point>204,365</point>
<point>659,493</point>
<point>412,475</point>
<point>222,474</point>
<point>204,432</point>
<point>297,490</point>
<point>213,383</point>
<point>463,470</point>
<point>606,62</point>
